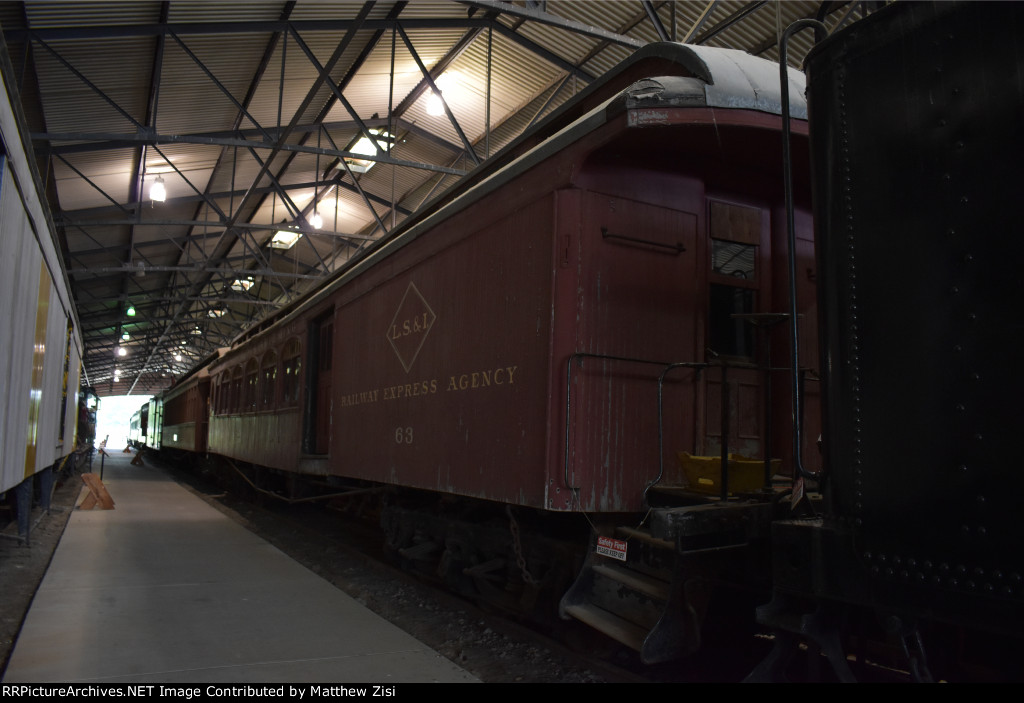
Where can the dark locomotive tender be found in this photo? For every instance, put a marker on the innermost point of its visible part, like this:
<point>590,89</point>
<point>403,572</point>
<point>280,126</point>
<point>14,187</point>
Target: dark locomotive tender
<point>916,117</point>
<point>500,348</point>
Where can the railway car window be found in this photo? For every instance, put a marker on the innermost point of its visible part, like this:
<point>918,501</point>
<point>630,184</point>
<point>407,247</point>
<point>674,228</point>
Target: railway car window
<point>236,389</point>
<point>728,335</point>
<point>736,232</point>
<point>269,381</point>
<point>733,259</point>
<point>222,393</point>
<point>252,373</point>
<point>291,366</point>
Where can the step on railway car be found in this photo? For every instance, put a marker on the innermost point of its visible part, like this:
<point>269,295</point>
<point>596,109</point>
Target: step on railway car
<point>41,343</point>
<point>569,380</point>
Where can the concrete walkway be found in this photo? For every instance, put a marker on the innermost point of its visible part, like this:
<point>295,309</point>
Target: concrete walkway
<point>164,588</point>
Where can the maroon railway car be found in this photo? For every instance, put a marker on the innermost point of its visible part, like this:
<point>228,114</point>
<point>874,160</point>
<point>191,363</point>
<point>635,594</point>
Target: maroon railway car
<point>507,346</point>
<point>187,414</point>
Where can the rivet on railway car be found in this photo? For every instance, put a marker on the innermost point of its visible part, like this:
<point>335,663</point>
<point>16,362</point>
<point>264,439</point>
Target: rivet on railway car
<point>972,316</point>
<point>927,565</point>
<point>951,231</point>
<point>858,522</point>
<point>989,588</point>
<point>905,575</point>
<point>977,436</point>
<point>980,499</point>
<point>982,531</point>
<point>1015,577</point>
<point>911,562</point>
<point>958,348</point>
<point>874,570</point>
<point>968,258</point>
<point>889,572</point>
<point>868,555</point>
<point>963,199</point>
<point>978,571</point>
<point>919,577</point>
<point>997,575</point>
<point>971,585</point>
<point>961,569</point>
<point>960,407</point>
<point>975,376</point>
<point>953,583</point>
<point>962,467</point>
<point>966,529</point>
<point>954,290</point>
<point>882,558</point>
<point>896,560</point>
<point>1007,591</point>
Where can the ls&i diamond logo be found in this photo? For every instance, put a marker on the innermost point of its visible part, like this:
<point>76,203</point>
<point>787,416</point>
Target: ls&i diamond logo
<point>410,326</point>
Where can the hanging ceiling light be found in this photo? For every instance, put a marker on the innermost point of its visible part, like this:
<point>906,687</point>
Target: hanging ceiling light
<point>316,220</point>
<point>435,105</point>
<point>157,191</point>
<point>131,311</point>
<point>126,336</point>
<point>121,351</point>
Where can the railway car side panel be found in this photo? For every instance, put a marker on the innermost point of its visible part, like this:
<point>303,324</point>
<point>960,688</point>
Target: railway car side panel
<point>634,312</point>
<point>440,374</point>
<point>36,353</point>
<point>186,416</point>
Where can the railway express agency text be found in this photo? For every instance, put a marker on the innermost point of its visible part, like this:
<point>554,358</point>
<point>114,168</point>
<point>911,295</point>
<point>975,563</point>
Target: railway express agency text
<point>246,691</point>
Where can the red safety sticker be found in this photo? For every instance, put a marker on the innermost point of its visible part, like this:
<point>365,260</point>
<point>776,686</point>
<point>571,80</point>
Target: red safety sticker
<point>614,548</point>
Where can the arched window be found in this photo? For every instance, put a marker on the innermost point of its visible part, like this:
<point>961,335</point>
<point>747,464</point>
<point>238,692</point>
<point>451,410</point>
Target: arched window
<point>236,389</point>
<point>252,375</point>
<point>268,380</point>
<point>291,367</point>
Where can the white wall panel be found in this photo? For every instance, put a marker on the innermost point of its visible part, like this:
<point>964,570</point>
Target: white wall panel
<point>33,320</point>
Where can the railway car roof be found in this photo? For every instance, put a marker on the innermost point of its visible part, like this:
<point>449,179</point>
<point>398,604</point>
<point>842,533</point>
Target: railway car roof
<point>254,118</point>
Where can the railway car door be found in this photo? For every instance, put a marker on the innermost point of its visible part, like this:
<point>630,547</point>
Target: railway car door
<point>736,294</point>
<point>317,426</point>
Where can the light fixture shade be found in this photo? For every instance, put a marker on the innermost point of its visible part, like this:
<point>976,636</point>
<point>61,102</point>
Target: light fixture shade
<point>157,191</point>
<point>131,311</point>
<point>316,220</point>
<point>121,351</point>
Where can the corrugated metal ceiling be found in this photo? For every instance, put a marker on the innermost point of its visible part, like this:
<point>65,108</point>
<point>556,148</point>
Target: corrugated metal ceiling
<point>222,102</point>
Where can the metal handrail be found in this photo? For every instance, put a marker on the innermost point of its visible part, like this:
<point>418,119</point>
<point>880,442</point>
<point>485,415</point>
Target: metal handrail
<point>568,397</point>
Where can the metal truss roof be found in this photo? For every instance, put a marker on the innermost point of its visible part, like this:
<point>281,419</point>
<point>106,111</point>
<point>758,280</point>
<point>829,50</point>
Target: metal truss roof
<point>249,113</point>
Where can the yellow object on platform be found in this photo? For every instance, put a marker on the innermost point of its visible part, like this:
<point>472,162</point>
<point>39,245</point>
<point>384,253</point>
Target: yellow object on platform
<point>704,473</point>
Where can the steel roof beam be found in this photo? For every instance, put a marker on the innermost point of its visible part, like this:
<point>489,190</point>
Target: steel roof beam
<point>699,22</point>
<point>433,86</point>
<point>147,137</point>
<point>244,27</point>
<point>555,21</point>
<point>730,21</point>
<point>652,15</point>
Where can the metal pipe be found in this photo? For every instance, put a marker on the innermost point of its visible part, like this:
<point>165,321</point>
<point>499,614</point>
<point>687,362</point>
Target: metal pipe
<point>787,166</point>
